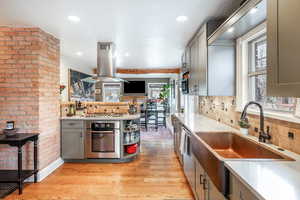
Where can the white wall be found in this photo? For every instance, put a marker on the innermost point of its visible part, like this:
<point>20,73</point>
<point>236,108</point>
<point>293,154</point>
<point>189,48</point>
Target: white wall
<point>69,63</point>
<point>191,104</point>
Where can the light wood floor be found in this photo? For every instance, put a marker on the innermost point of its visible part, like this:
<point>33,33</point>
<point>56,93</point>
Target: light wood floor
<point>155,175</point>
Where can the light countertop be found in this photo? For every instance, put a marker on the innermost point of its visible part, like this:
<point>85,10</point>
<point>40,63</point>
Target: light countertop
<point>199,123</point>
<point>268,180</point>
<point>122,117</point>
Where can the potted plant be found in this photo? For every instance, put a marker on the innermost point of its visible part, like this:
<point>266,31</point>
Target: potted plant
<point>61,88</point>
<point>164,95</point>
<point>165,92</point>
<point>244,126</point>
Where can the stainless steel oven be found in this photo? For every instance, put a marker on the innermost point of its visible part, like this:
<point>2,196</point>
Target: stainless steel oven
<point>102,139</point>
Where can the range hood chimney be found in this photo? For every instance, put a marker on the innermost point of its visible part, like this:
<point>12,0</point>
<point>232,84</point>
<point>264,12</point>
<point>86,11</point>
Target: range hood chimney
<point>105,63</point>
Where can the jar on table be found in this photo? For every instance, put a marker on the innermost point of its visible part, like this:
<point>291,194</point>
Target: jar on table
<point>127,137</point>
<point>132,136</point>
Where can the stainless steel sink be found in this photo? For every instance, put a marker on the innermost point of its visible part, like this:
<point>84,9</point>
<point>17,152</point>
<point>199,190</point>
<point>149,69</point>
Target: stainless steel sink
<point>212,149</point>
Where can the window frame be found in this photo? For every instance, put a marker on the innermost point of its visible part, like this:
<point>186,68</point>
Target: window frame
<point>251,58</point>
<point>110,85</point>
<point>242,77</point>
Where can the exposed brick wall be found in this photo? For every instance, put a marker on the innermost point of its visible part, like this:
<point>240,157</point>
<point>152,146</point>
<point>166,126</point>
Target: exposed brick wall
<point>29,91</point>
<point>49,99</point>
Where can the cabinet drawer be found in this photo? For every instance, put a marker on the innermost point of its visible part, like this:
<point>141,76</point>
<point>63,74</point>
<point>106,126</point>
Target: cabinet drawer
<point>72,124</point>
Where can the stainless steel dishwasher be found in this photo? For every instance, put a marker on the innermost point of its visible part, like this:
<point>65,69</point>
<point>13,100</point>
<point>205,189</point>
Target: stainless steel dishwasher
<point>188,159</point>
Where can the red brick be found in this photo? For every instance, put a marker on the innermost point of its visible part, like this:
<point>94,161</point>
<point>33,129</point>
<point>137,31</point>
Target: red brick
<point>5,38</point>
<point>5,57</point>
<point>4,28</point>
<point>29,82</point>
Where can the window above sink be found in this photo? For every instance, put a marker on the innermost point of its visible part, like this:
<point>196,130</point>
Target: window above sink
<point>252,77</point>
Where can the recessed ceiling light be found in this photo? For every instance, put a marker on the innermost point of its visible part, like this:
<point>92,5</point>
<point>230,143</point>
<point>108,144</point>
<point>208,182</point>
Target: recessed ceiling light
<point>126,54</point>
<point>230,30</point>
<point>74,19</point>
<point>181,18</point>
<point>253,10</point>
<point>79,53</point>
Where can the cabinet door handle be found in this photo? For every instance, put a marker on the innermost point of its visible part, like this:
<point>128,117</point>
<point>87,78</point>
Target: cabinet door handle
<point>201,179</point>
<point>204,184</point>
<point>241,196</point>
<point>188,146</point>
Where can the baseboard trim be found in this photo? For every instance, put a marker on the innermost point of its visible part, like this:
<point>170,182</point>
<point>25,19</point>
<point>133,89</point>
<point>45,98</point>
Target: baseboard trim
<point>43,173</point>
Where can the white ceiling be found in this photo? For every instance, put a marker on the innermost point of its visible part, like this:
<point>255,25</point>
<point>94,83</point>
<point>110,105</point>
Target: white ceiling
<point>145,29</point>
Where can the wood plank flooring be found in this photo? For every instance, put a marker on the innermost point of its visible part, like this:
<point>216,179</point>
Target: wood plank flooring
<point>155,175</point>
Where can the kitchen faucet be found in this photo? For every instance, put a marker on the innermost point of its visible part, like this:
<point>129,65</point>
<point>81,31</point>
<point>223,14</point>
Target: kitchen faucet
<point>263,136</point>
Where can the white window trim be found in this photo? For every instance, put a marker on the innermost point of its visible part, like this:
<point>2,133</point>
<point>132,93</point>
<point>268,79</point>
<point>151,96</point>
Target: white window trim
<point>242,78</point>
<point>108,84</point>
<point>149,84</point>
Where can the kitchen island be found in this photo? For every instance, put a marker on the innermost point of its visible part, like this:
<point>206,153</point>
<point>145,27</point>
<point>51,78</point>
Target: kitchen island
<point>100,138</point>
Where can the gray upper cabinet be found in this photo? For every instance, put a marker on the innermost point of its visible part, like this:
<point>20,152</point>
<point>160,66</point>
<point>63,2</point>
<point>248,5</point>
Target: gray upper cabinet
<point>193,67</point>
<point>212,68</point>
<point>221,69</point>
<point>283,48</point>
<point>202,66</point>
<point>186,60</point>
<point>198,67</point>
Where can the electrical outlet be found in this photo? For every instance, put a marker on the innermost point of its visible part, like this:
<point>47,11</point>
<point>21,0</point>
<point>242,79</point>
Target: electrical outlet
<point>291,135</point>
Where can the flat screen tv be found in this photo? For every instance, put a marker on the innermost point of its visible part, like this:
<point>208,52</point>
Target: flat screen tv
<point>134,87</point>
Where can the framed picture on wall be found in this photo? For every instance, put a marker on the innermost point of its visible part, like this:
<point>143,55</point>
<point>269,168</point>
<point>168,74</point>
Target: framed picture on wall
<point>80,87</point>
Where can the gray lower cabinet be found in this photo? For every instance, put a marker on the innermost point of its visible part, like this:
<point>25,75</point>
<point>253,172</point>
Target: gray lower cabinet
<point>204,187</point>
<point>200,177</point>
<point>212,191</point>
<point>72,144</point>
<point>239,191</point>
<point>72,140</point>
<point>283,48</point>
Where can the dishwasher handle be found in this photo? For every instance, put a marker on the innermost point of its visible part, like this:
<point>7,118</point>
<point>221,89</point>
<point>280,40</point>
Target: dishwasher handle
<point>187,132</point>
<point>188,144</point>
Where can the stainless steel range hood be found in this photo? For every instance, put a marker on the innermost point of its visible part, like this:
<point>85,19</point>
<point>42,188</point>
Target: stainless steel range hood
<point>105,64</point>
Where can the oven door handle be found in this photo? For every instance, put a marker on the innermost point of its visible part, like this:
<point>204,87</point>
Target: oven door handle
<point>102,132</point>
<point>101,136</point>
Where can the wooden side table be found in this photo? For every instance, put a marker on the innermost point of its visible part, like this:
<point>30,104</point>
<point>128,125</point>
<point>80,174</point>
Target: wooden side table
<point>18,176</point>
